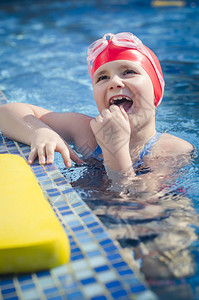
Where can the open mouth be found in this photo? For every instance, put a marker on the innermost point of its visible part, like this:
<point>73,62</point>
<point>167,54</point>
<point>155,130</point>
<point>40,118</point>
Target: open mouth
<point>124,101</point>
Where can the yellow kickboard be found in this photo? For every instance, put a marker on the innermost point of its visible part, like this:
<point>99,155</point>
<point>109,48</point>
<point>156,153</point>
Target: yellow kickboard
<point>31,236</point>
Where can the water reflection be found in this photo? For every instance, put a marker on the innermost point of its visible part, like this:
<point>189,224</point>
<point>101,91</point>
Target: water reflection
<point>154,228</point>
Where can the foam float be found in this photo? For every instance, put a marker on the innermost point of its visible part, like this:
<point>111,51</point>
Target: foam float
<point>31,236</point>
<point>164,3</point>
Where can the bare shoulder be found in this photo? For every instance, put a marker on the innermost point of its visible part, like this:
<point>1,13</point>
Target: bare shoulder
<point>171,145</point>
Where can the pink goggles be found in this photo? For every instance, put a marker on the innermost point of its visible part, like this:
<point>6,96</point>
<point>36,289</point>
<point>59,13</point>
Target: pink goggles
<point>118,47</point>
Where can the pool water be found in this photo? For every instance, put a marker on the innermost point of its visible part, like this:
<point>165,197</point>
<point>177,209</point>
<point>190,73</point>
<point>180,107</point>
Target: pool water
<point>43,61</point>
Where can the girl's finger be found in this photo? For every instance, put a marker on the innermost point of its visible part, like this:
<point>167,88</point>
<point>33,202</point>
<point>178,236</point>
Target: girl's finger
<point>41,155</point>
<point>32,156</point>
<point>114,108</point>
<point>50,150</point>
<point>99,118</point>
<point>106,112</point>
<point>74,156</point>
<point>65,154</point>
<point>68,154</point>
<point>124,112</point>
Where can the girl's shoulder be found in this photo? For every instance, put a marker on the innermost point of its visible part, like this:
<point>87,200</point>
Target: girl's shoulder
<point>170,145</point>
<point>83,136</point>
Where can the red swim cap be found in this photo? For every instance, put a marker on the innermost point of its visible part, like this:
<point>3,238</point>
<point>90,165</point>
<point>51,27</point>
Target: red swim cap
<point>141,54</point>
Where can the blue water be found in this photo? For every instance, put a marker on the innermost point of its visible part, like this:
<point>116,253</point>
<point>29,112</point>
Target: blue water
<point>43,48</point>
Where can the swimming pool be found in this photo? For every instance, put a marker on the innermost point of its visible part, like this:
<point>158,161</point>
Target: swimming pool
<point>43,62</point>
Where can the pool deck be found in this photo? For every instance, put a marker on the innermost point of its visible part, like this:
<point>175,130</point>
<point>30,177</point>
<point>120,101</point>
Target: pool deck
<point>97,269</point>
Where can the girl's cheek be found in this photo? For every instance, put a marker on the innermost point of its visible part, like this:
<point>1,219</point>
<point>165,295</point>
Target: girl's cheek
<point>98,100</point>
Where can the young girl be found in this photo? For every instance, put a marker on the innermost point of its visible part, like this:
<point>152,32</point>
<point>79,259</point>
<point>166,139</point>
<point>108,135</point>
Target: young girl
<point>128,86</point>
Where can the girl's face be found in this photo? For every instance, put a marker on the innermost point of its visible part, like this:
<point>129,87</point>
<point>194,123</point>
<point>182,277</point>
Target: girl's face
<point>125,83</point>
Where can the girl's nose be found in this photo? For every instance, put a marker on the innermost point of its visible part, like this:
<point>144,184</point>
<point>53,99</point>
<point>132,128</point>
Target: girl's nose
<point>116,82</point>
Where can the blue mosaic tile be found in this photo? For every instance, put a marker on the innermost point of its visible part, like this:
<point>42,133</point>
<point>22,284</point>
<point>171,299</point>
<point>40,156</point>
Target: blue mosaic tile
<point>74,223</point>
<point>82,234</point>
<point>50,290</point>
<point>55,298</point>
<point>92,224</point>
<point>30,294</point>
<point>6,282</point>
<point>85,213</point>
<point>138,289</point>
<point>110,248</point>
<point>61,183</point>
<point>119,294</point>
<point>27,286</point>
<point>77,204</point>
<point>75,250</point>
<point>65,213</point>
<point>85,240</point>
<point>59,179</point>
<point>120,264</point>
<point>50,167</point>
<point>97,230</point>
<point>43,273</point>
<point>88,280</point>
<point>88,219</point>
<point>22,278</point>
<point>8,291</point>
<point>102,236</point>
<point>125,272</point>
<point>45,182</point>
<point>78,228</point>
<point>113,284</point>
<point>93,253</point>
<point>76,257</point>
<point>63,208</point>
<point>68,191</point>
<point>101,269</point>
<point>104,242</point>
<point>114,256</point>
<point>51,190</point>
<point>74,296</point>
<point>54,194</point>
<point>14,152</point>
<point>102,297</point>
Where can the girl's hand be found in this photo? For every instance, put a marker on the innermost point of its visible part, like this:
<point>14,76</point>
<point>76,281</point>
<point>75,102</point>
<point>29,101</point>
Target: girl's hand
<point>45,142</point>
<point>112,132</point>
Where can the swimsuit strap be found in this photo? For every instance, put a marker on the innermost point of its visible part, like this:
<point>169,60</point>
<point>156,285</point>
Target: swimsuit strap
<point>147,148</point>
<point>96,153</point>
<point>145,151</point>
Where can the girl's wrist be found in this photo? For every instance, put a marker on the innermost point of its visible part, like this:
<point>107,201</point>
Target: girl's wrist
<point>120,179</point>
<point>117,161</point>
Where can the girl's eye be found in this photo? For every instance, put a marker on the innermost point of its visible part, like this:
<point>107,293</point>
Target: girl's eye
<point>128,71</point>
<point>102,77</point>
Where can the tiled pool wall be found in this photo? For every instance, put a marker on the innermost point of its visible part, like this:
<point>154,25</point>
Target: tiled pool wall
<point>97,269</point>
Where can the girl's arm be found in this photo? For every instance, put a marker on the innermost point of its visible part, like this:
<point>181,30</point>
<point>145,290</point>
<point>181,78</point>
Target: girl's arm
<point>112,132</point>
<point>44,131</point>
<point>161,170</point>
